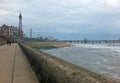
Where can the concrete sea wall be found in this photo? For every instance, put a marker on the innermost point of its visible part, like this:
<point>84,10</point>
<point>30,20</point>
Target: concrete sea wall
<point>50,69</point>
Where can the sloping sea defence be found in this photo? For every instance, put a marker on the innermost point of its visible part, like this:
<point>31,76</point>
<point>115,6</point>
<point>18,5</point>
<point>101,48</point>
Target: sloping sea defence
<point>100,58</point>
<point>50,69</point>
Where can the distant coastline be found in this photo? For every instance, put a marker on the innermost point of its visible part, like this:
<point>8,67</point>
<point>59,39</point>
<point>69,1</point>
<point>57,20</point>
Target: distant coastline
<point>48,45</point>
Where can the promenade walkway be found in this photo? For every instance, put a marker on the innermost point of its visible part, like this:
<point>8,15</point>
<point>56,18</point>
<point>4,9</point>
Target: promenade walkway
<point>14,67</point>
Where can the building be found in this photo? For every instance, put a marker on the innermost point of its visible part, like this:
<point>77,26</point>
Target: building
<point>20,26</point>
<point>12,31</point>
<point>9,31</point>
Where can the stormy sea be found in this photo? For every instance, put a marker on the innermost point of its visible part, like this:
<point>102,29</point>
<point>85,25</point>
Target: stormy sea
<point>100,58</point>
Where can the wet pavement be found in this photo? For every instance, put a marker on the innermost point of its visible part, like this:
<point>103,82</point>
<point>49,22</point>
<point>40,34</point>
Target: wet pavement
<point>14,67</point>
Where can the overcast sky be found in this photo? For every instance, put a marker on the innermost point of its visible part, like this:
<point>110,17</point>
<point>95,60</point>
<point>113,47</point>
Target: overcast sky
<point>65,19</point>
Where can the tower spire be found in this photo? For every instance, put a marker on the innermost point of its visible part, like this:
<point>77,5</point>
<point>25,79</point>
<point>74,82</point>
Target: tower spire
<point>20,16</point>
<point>20,25</point>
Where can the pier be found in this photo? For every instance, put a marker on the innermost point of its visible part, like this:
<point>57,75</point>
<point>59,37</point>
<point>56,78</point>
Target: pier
<point>85,41</point>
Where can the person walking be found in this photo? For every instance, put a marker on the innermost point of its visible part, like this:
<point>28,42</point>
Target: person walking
<point>8,42</point>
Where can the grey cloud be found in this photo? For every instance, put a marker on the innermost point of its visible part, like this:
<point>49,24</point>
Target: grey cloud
<point>63,16</point>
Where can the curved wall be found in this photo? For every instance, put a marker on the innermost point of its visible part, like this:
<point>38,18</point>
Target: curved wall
<point>53,70</point>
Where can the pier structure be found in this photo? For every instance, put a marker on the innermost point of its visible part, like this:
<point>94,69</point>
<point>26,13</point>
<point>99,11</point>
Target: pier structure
<point>92,41</point>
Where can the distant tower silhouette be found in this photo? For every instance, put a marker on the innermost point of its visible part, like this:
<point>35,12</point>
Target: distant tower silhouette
<point>20,25</point>
<point>30,32</point>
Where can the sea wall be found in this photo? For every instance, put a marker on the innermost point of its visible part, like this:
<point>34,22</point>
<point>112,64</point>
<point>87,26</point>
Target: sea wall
<point>50,69</point>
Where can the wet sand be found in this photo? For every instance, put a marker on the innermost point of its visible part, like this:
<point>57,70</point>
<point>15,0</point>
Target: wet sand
<point>56,44</point>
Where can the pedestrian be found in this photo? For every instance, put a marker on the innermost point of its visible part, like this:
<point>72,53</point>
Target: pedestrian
<point>8,42</point>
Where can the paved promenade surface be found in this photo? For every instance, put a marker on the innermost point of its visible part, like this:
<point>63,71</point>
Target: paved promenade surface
<point>14,67</point>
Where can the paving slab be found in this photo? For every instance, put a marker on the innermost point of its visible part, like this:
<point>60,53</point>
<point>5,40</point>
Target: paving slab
<point>14,67</point>
<point>25,79</point>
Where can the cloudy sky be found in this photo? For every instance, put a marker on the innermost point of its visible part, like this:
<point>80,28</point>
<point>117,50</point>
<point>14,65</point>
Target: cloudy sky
<point>65,19</point>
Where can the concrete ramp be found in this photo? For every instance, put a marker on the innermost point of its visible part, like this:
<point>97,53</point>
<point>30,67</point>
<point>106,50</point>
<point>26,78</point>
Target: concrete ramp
<point>14,67</point>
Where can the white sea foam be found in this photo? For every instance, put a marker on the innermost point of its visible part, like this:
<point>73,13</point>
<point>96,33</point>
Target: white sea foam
<point>100,58</point>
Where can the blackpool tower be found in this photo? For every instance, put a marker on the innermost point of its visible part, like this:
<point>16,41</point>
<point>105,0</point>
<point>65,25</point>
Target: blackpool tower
<point>20,25</point>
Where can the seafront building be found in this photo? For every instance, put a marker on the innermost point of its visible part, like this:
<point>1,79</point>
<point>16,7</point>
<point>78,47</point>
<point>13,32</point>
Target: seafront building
<point>12,31</point>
